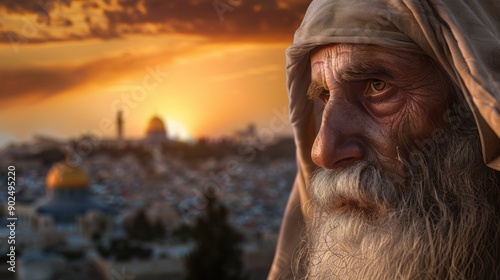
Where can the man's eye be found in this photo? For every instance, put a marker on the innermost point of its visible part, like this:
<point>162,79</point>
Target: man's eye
<point>378,85</point>
<point>378,91</point>
<point>324,95</point>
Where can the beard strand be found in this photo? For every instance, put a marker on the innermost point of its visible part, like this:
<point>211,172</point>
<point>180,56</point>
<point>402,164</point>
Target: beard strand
<point>440,222</point>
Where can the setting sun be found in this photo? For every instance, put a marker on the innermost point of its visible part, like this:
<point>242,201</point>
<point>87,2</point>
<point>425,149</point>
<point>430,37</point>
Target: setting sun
<point>177,131</point>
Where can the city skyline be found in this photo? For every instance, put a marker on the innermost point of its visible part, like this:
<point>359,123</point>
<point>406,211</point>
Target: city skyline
<point>107,130</point>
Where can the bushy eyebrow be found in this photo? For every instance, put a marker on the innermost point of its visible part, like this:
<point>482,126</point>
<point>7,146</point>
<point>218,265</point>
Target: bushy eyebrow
<point>365,70</point>
<point>315,89</point>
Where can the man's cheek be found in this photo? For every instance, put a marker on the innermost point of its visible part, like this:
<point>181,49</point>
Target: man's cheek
<point>420,118</point>
<point>426,106</point>
<point>388,108</point>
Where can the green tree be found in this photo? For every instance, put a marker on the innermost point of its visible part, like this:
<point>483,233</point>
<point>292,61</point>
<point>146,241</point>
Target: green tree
<point>217,252</point>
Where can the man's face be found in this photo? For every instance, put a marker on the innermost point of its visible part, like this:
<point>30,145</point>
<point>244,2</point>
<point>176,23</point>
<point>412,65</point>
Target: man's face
<point>370,95</point>
<point>386,207</point>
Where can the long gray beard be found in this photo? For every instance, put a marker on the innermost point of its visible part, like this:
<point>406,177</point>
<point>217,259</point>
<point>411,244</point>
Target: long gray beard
<point>441,222</point>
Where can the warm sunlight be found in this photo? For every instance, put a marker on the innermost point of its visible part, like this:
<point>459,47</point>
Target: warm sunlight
<point>177,131</point>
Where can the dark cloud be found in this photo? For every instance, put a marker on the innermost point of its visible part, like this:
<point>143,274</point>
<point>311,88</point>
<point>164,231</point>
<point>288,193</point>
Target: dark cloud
<point>42,8</point>
<point>38,83</point>
<point>22,6</point>
<point>226,19</point>
<point>18,40</point>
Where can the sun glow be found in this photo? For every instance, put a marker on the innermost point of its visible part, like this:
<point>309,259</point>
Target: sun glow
<point>177,130</point>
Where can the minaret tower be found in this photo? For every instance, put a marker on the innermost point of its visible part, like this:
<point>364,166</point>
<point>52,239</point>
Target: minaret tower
<point>119,124</point>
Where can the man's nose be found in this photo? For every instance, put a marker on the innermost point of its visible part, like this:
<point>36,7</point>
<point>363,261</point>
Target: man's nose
<point>339,142</point>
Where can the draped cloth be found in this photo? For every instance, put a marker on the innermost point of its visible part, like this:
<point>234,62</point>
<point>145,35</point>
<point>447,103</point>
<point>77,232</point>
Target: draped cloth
<point>463,36</point>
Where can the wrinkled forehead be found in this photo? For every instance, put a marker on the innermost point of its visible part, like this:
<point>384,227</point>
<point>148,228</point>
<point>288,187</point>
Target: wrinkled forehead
<point>363,57</point>
<point>362,51</point>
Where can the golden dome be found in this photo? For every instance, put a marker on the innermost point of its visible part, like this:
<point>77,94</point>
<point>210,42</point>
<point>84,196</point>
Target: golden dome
<point>156,125</point>
<point>64,176</point>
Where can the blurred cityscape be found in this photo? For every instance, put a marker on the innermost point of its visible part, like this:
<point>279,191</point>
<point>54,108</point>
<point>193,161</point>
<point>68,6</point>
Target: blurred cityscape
<point>117,208</point>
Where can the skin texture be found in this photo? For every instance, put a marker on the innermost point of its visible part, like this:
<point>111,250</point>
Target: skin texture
<point>371,95</point>
<point>384,205</point>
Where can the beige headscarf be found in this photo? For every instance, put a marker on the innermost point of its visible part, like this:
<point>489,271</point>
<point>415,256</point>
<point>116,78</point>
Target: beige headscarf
<point>463,36</point>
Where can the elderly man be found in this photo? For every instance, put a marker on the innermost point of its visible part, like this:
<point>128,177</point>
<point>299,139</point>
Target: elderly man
<point>396,113</point>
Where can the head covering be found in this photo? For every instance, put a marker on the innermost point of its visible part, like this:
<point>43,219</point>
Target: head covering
<point>463,36</point>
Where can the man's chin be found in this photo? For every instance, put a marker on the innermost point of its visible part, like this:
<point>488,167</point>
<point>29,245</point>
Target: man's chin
<point>355,209</point>
<point>345,243</point>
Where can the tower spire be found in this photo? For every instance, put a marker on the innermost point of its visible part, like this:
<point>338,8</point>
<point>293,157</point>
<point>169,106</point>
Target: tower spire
<point>119,124</point>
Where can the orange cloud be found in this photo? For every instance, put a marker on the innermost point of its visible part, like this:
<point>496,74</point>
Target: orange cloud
<point>28,85</point>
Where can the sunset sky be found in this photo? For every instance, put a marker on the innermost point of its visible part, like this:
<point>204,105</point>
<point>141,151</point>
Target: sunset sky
<point>207,67</point>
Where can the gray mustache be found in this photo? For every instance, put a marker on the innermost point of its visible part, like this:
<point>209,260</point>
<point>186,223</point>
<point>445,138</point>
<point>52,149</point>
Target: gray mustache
<point>361,185</point>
